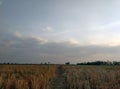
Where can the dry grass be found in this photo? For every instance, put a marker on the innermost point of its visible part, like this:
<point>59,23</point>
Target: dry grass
<point>26,76</point>
<point>77,77</point>
<point>93,77</point>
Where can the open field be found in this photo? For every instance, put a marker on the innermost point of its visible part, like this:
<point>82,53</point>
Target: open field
<point>92,77</point>
<point>59,77</point>
<point>26,76</point>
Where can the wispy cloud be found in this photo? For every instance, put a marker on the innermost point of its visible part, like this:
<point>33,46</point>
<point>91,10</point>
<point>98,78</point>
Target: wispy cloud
<point>47,29</point>
<point>39,39</point>
<point>73,41</point>
<point>111,26</point>
<point>18,34</point>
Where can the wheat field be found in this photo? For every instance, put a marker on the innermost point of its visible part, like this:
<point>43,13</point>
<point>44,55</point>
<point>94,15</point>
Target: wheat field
<point>26,76</point>
<point>92,77</point>
<point>73,76</point>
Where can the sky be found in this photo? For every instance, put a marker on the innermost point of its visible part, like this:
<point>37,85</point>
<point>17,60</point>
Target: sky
<point>58,31</point>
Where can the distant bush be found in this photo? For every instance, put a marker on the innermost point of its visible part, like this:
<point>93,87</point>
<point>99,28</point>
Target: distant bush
<point>67,63</point>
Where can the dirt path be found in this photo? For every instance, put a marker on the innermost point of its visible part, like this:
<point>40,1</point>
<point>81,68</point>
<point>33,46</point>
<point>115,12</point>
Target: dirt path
<point>59,81</point>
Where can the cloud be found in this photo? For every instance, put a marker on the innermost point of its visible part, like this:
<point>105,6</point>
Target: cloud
<point>35,49</point>
<point>96,34</point>
<point>73,41</point>
<point>47,29</point>
<point>17,39</point>
<point>112,26</point>
<point>30,39</point>
<point>39,39</point>
<point>18,34</point>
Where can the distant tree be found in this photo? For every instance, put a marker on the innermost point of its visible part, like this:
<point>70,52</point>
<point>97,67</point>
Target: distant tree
<point>116,63</point>
<point>41,63</point>
<point>45,63</point>
<point>67,63</point>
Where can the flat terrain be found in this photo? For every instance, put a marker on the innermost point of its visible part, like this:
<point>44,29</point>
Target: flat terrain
<point>59,77</point>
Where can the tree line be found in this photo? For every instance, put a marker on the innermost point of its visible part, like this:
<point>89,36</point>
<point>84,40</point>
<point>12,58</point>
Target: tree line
<point>100,63</point>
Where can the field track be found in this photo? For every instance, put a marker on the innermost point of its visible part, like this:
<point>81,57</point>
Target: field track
<point>60,81</point>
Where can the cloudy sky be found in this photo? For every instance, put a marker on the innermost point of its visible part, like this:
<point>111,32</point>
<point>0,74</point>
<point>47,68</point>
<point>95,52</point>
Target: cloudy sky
<point>57,31</point>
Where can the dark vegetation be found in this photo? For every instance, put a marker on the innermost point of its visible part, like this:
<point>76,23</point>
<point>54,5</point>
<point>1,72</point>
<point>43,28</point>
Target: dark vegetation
<point>67,63</point>
<point>100,63</point>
